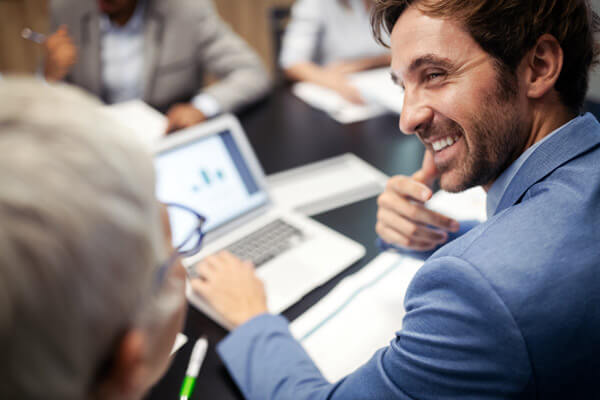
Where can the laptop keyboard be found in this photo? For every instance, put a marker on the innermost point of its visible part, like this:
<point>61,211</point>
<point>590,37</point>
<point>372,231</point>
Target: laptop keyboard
<point>267,242</point>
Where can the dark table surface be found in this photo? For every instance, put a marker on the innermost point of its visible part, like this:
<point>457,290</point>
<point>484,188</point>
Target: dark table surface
<point>286,133</point>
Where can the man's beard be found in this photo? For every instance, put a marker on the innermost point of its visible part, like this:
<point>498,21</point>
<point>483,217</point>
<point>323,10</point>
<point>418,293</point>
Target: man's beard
<point>497,136</point>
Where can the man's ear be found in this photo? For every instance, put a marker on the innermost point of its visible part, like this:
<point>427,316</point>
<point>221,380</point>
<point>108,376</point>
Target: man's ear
<point>543,64</point>
<point>126,377</point>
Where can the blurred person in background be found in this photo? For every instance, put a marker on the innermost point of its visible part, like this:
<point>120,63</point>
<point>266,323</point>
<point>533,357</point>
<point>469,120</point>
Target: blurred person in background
<point>155,50</point>
<point>328,39</point>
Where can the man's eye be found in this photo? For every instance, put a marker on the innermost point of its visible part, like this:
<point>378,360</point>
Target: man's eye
<point>434,75</point>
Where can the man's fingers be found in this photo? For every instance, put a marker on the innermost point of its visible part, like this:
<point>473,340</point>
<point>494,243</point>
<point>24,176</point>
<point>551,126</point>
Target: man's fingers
<point>60,36</point>
<point>392,236</point>
<point>170,127</point>
<point>201,287</point>
<point>61,31</point>
<point>411,229</point>
<point>172,122</point>
<point>428,172</point>
<point>416,212</point>
<point>207,268</point>
<point>229,258</point>
<point>421,214</point>
<point>408,187</point>
<point>178,118</point>
<point>201,270</point>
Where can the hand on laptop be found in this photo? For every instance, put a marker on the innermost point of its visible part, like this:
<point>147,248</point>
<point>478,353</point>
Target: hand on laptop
<point>403,219</point>
<point>183,115</point>
<point>231,287</point>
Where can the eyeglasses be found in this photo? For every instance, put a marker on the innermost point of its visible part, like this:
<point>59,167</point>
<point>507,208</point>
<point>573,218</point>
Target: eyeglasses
<point>186,229</point>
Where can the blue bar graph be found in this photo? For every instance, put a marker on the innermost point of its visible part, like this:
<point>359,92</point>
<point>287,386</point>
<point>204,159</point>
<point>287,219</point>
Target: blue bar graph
<point>211,178</point>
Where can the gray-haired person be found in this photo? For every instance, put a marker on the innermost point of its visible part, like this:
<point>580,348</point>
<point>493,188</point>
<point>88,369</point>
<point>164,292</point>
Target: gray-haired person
<point>89,305</point>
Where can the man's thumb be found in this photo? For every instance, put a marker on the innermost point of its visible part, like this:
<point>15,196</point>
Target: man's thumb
<point>428,172</point>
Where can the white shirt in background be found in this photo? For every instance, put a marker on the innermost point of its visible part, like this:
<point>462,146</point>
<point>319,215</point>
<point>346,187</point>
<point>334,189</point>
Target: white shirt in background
<point>324,31</point>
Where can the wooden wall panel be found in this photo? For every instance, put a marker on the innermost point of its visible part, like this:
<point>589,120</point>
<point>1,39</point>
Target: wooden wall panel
<point>17,54</point>
<point>249,18</point>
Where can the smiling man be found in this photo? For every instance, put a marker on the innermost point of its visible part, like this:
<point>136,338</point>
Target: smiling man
<point>510,309</point>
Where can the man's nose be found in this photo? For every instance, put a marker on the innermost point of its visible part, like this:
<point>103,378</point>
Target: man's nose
<point>415,115</point>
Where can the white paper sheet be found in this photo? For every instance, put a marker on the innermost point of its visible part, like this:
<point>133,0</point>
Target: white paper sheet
<point>146,123</point>
<point>335,105</point>
<point>359,316</point>
<point>375,86</point>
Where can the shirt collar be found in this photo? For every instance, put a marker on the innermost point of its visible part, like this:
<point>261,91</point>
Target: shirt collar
<point>134,25</point>
<point>498,188</point>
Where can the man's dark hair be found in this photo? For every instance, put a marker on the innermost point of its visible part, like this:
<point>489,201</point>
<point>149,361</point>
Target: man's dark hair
<point>508,29</point>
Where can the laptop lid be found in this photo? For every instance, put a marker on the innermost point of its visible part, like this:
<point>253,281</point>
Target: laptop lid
<point>211,168</point>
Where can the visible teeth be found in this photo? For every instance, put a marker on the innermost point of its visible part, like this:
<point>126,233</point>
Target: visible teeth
<point>443,143</point>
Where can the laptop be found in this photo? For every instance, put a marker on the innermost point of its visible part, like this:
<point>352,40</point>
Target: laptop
<point>212,169</point>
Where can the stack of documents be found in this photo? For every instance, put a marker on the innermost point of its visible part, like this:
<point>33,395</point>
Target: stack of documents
<point>364,311</point>
<point>381,95</point>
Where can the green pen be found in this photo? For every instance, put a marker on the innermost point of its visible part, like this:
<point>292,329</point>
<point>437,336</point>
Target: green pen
<point>196,359</point>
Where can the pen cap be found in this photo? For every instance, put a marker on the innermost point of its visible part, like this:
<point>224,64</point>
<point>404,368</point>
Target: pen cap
<point>197,357</point>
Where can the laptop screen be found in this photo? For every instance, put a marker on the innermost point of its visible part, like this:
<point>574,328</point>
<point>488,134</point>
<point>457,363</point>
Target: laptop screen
<point>210,176</point>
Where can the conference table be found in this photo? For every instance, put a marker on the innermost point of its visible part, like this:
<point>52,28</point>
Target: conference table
<point>287,133</point>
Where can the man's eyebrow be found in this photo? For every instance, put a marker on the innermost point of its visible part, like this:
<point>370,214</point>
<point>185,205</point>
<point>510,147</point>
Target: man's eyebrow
<point>431,60</point>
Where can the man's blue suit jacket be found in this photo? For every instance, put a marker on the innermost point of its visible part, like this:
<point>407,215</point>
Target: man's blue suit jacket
<point>511,309</point>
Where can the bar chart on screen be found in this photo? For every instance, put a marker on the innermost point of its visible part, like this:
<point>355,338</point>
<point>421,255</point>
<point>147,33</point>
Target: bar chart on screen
<point>208,178</point>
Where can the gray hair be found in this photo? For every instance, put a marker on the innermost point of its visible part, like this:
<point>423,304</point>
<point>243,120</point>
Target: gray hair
<point>80,239</point>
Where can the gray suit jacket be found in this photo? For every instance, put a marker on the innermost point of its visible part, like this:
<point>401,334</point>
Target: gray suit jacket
<point>183,39</point>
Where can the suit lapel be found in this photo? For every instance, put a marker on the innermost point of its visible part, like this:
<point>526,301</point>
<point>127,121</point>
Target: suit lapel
<point>564,146</point>
<point>90,51</point>
<point>153,35</point>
